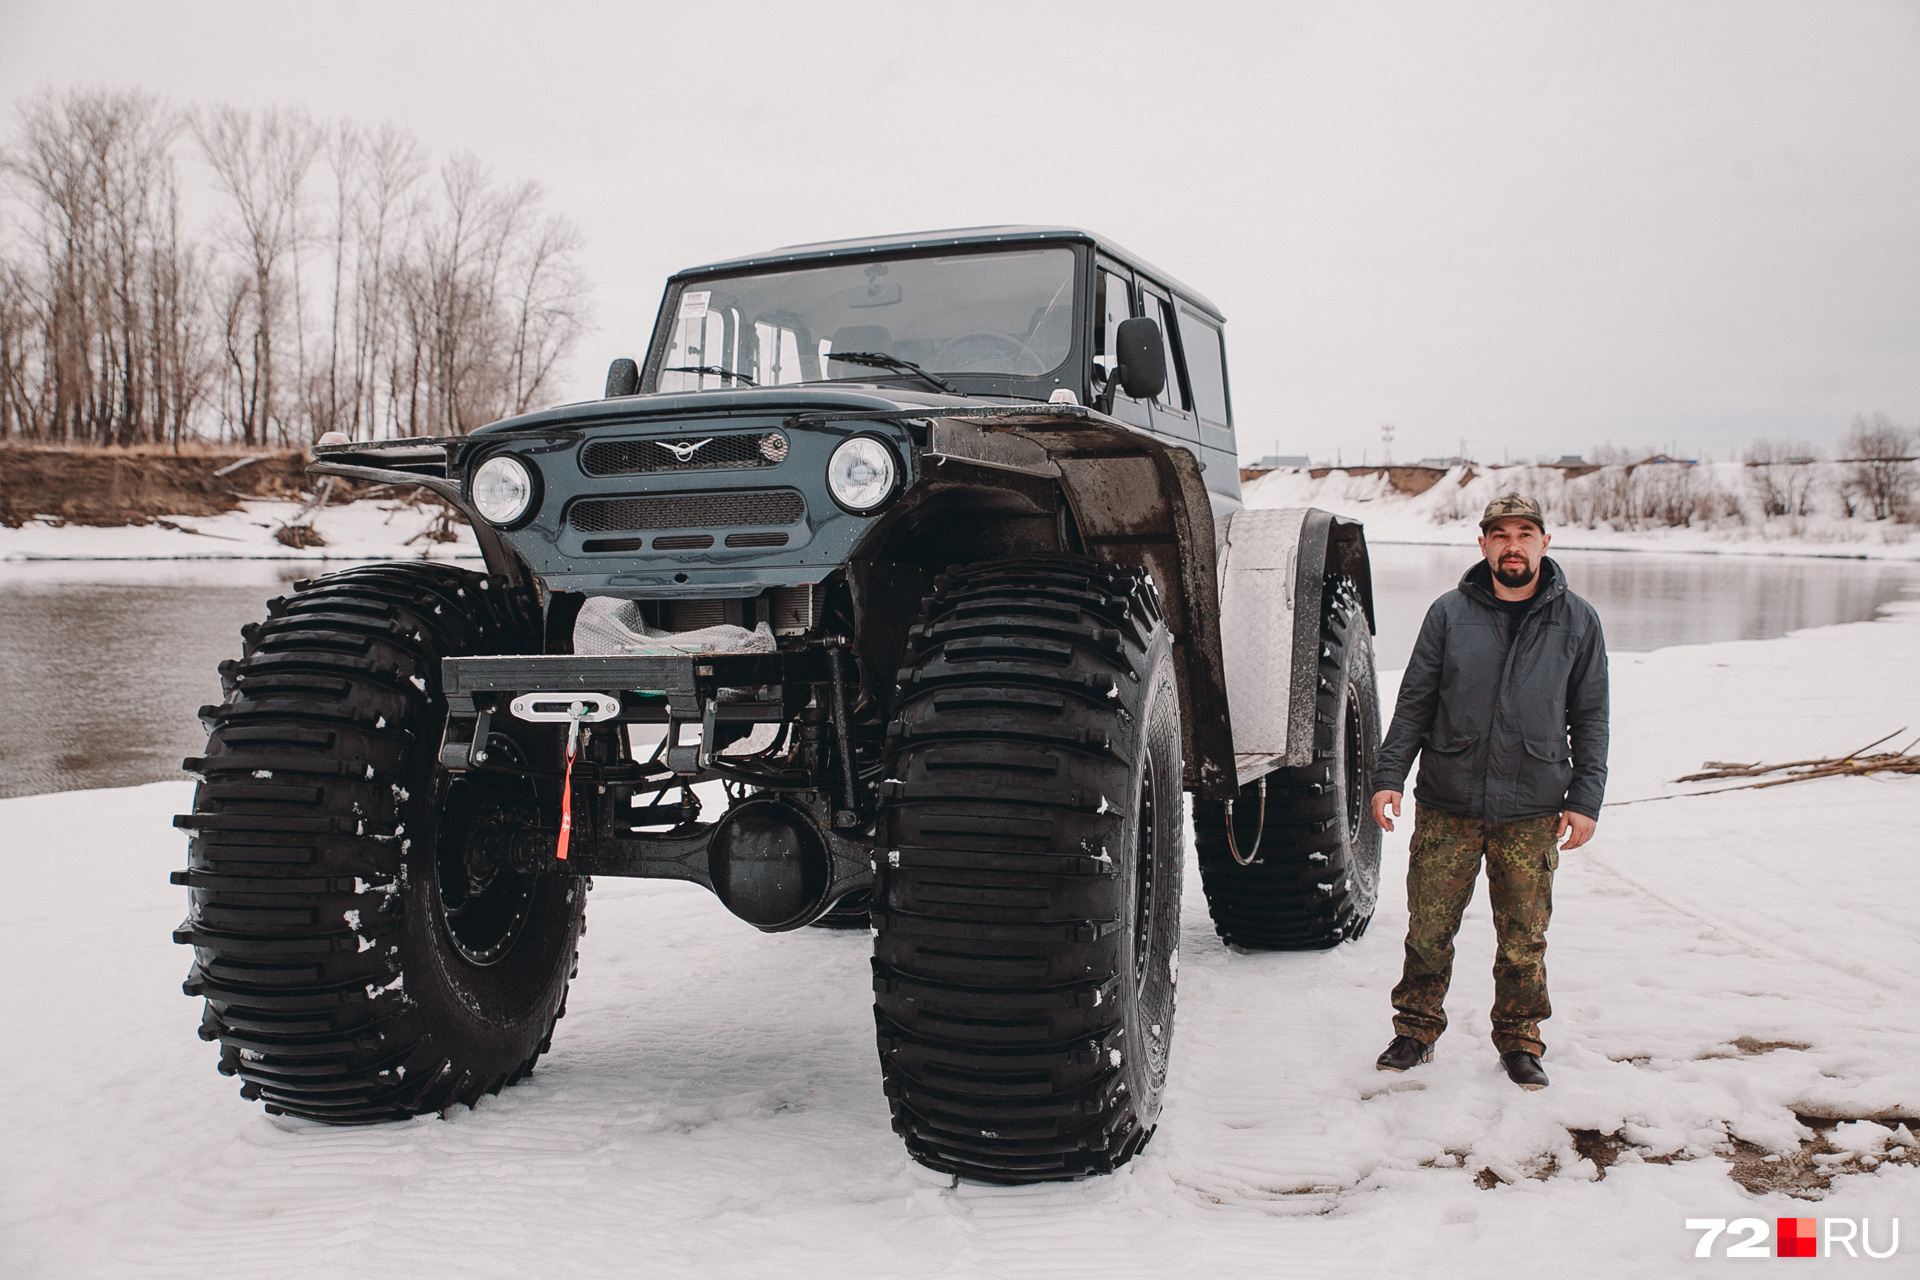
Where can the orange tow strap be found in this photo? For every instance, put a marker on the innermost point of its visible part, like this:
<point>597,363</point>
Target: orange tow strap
<point>566,792</point>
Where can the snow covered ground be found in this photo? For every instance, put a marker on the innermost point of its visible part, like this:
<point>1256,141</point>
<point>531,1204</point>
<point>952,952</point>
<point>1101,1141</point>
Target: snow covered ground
<point>1720,967</point>
<point>1449,513</point>
<point>366,530</point>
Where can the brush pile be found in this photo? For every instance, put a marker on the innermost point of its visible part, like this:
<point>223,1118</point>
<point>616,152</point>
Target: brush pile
<point>1852,765</point>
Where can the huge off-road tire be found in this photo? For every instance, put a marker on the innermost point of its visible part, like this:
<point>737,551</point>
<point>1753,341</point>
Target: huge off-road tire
<point>1316,873</point>
<point>1028,907</point>
<point>362,954</point>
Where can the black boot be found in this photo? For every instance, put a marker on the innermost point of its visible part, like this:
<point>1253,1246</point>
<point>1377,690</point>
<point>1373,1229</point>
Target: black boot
<point>1404,1052</point>
<point>1523,1069</point>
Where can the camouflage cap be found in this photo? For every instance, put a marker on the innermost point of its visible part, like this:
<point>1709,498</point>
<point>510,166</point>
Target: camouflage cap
<point>1514,505</point>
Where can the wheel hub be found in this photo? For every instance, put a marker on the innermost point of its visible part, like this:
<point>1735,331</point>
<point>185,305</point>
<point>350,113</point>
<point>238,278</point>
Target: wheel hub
<point>481,903</point>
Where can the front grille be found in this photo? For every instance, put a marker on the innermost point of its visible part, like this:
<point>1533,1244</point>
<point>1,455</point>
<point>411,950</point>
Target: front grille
<point>688,511</point>
<point>683,453</point>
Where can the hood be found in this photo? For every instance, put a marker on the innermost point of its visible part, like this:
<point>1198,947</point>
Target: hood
<point>814,398</point>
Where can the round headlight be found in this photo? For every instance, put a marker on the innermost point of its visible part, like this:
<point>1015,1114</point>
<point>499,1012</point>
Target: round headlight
<point>862,473</point>
<point>502,489</point>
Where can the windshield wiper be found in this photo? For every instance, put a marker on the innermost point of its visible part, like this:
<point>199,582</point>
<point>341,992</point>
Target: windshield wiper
<point>880,360</point>
<point>712,370</point>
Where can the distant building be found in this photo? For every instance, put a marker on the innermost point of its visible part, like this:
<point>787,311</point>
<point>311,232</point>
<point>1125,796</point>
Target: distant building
<point>1274,461</point>
<point>1572,466</point>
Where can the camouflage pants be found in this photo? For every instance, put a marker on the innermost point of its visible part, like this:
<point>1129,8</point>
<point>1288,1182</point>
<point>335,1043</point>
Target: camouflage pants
<point>1445,862</point>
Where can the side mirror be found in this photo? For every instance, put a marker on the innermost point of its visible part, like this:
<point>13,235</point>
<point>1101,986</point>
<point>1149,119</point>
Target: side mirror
<point>1140,357</point>
<point>623,377</point>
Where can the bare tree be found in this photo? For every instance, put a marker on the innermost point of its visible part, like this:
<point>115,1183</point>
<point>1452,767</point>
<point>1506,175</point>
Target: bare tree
<point>391,166</point>
<point>261,164</point>
<point>1780,474</point>
<point>547,310</point>
<point>332,392</point>
<point>102,341</point>
<point>492,302</point>
<point>340,292</point>
<point>1881,464</point>
<point>19,403</point>
<point>183,365</point>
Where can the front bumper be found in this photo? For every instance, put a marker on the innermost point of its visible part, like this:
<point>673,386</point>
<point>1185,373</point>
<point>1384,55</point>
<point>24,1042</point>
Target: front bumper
<point>706,689</point>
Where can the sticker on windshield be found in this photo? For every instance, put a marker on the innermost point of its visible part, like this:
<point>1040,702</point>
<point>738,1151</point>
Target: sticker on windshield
<point>693,304</point>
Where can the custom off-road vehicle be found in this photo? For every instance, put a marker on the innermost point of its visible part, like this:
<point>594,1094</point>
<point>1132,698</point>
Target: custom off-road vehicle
<point>906,583</point>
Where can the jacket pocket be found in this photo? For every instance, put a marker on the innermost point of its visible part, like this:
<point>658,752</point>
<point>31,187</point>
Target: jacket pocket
<point>1446,771</point>
<point>1552,752</point>
<point>1546,771</point>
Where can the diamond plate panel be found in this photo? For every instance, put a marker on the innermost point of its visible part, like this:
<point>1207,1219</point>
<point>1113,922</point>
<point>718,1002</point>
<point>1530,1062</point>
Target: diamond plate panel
<point>1258,571</point>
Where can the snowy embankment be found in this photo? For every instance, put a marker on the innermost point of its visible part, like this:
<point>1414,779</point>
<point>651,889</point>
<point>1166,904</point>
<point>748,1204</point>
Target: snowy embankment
<point>1724,969</point>
<point>1718,499</point>
<point>370,529</point>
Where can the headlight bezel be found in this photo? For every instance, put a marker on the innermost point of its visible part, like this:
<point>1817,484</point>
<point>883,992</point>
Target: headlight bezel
<point>534,489</point>
<point>896,473</point>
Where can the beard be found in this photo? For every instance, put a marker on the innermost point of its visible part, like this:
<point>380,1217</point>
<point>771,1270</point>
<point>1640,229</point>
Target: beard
<point>1514,574</point>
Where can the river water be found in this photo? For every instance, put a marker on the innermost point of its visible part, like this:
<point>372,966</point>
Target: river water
<point>105,664</point>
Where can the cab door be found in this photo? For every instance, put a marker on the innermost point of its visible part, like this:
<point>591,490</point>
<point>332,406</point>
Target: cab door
<point>1115,298</point>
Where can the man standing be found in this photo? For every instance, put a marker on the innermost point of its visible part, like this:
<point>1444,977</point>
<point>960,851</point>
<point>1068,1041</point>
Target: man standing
<point>1505,702</point>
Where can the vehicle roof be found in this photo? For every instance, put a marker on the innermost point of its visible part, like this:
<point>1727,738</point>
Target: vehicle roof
<point>826,250</point>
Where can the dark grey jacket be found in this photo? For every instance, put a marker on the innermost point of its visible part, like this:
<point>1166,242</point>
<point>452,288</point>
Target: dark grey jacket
<point>1504,731</point>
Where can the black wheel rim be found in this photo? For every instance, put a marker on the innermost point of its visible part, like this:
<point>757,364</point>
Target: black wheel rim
<point>1355,764</point>
<point>1146,878</point>
<point>482,905</point>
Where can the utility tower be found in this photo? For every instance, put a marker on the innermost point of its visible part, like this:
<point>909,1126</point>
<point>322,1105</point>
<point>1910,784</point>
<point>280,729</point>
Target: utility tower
<point>1386,444</point>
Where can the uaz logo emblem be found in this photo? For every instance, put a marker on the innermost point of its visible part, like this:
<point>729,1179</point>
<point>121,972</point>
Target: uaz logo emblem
<point>683,452</point>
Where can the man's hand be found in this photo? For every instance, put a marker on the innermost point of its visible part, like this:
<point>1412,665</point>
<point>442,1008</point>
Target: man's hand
<point>1579,824</point>
<point>1381,799</point>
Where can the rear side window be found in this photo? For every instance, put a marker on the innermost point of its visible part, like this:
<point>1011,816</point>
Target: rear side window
<point>1206,367</point>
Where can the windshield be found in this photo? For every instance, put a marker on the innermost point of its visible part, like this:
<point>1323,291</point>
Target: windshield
<point>962,313</point>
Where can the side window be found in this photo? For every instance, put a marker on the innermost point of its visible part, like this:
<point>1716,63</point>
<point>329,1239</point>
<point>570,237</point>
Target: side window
<point>1174,394</point>
<point>1206,368</point>
<point>1112,303</point>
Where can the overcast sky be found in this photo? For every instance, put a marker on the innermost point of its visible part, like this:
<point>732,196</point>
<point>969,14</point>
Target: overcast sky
<point>1533,227</point>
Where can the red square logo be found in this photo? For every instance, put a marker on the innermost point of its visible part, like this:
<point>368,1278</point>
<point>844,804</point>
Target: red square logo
<point>1799,1237</point>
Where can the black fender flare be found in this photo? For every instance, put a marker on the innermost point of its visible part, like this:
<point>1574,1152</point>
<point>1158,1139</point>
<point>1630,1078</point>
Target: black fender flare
<point>1329,545</point>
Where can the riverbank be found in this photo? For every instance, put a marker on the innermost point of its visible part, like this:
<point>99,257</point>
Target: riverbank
<point>1733,979</point>
<point>133,486</point>
<point>396,527</point>
<point>1448,513</point>
<point>209,503</point>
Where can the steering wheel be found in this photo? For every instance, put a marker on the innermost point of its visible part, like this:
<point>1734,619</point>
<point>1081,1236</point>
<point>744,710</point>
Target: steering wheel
<point>954,356</point>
